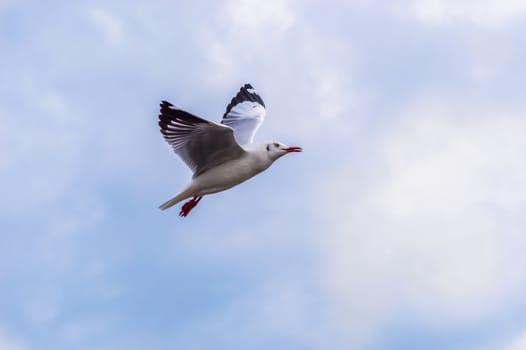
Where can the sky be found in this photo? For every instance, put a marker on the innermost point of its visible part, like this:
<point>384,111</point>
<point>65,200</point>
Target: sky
<point>401,225</point>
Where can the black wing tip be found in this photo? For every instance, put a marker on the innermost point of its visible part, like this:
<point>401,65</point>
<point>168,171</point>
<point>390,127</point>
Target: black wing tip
<point>168,108</point>
<point>163,118</point>
<point>245,89</point>
<point>170,112</point>
<point>246,93</point>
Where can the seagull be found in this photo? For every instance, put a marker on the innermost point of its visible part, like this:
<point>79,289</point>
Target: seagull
<point>222,155</point>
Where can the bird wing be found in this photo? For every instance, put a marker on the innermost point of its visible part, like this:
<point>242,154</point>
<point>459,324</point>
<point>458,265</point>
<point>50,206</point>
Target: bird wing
<point>245,114</point>
<point>201,144</point>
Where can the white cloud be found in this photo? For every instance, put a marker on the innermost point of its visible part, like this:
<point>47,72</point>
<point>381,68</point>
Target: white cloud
<point>310,73</point>
<point>6,3</point>
<point>9,343</point>
<point>221,60</point>
<point>42,309</point>
<point>243,35</point>
<point>280,308</point>
<point>253,17</point>
<point>517,343</point>
<point>330,95</point>
<point>432,225</point>
<point>42,153</point>
<point>489,13</point>
<point>431,231</point>
<point>111,26</point>
<point>484,13</point>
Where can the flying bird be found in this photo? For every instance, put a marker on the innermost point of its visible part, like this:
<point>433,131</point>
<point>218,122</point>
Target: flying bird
<point>220,155</point>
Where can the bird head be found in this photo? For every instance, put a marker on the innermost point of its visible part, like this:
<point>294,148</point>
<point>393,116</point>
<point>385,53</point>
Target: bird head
<point>276,150</point>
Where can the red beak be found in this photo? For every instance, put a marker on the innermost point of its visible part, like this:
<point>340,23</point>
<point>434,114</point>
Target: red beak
<point>293,149</point>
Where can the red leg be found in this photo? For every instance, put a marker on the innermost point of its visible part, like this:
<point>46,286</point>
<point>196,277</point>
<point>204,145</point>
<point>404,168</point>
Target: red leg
<point>188,206</point>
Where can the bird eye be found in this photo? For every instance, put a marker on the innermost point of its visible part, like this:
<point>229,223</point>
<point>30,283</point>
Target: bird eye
<point>276,145</point>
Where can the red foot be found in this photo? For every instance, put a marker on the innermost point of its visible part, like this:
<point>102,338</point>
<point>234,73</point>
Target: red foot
<point>188,206</point>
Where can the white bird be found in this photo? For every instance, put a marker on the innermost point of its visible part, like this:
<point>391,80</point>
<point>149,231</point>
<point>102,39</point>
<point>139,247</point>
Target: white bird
<point>220,155</point>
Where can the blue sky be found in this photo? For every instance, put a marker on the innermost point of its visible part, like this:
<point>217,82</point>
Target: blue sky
<point>400,226</point>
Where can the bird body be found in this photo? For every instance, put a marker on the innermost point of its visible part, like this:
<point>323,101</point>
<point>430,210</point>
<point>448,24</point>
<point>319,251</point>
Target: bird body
<point>223,176</point>
<point>212,150</point>
<point>232,172</point>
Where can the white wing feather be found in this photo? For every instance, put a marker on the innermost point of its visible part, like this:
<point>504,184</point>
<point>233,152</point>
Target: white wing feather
<point>245,114</point>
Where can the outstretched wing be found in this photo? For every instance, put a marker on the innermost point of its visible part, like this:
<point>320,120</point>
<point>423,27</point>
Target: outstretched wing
<point>201,144</point>
<point>244,114</point>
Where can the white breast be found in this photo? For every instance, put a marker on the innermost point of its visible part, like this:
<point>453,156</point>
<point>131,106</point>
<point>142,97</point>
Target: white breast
<point>230,174</point>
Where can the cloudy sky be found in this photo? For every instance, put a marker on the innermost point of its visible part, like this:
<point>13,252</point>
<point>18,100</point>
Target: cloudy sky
<point>401,225</point>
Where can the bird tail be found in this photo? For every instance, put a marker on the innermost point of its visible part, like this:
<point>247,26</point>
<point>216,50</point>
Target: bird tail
<point>173,201</point>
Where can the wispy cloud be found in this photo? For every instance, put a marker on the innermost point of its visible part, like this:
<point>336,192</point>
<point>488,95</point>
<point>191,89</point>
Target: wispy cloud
<point>254,18</point>
<point>43,154</point>
<point>487,13</point>
<point>405,208</point>
<point>431,226</point>
<point>9,343</point>
<point>517,343</point>
<point>110,26</point>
